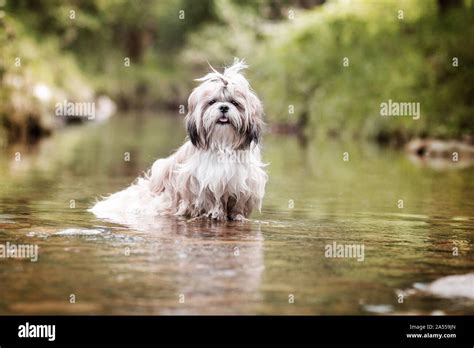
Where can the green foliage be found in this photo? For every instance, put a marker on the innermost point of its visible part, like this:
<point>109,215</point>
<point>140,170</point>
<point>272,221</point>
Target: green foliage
<point>299,63</point>
<point>407,60</point>
<point>77,50</point>
<point>295,63</point>
<point>26,66</point>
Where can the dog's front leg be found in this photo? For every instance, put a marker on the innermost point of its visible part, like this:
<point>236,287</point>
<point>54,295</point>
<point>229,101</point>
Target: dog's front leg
<point>240,210</point>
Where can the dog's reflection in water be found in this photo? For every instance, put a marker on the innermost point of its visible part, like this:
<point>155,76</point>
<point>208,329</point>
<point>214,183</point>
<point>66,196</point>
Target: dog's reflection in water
<point>199,266</point>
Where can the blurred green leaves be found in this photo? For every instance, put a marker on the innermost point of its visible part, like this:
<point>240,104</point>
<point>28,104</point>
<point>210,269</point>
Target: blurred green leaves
<point>294,62</point>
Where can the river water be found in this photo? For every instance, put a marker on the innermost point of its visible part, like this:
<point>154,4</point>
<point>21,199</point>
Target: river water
<point>275,264</point>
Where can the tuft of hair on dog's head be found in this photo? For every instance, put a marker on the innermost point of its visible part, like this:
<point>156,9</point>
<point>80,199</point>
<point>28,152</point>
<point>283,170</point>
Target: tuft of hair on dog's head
<point>231,72</point>
<point>223,111</point>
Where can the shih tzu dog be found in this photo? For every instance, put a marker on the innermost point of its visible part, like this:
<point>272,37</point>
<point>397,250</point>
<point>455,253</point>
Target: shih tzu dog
<point>218,172</point>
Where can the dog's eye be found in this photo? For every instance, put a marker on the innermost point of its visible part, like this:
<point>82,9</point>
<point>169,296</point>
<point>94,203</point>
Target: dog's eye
<point>212,102</point>
<point>234,103</point>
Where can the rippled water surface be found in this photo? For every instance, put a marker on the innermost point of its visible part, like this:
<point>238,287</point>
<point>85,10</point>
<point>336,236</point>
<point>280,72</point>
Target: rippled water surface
<point>274,264</point>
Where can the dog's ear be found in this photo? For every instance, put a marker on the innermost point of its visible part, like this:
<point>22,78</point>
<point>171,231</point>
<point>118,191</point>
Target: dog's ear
<point>253,133</point>
<point>255,116</point>
<point>191,119</point>
<point>191,128</point>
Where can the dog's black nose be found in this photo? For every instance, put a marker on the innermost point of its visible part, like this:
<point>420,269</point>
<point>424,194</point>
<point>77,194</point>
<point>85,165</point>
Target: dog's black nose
<point>223,108</point>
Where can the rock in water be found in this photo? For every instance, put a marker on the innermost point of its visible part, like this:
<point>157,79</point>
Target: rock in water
<point>453,286</point>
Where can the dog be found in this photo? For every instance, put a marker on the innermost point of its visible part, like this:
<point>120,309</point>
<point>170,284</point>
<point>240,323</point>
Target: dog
<point>218,172</point>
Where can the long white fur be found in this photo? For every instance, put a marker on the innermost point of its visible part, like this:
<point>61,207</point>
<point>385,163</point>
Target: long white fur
<point>217,172</point>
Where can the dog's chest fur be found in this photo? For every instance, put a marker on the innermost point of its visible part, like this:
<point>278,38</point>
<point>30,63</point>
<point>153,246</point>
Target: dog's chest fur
<point>221,183</point>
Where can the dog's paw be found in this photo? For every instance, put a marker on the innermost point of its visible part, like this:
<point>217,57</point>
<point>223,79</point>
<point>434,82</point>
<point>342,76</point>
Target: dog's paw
<point>196,218</point>
<point>216,214</point>
<point>237,217</point>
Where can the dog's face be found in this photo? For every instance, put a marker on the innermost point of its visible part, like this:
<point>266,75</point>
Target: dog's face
<point>223,112</point>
